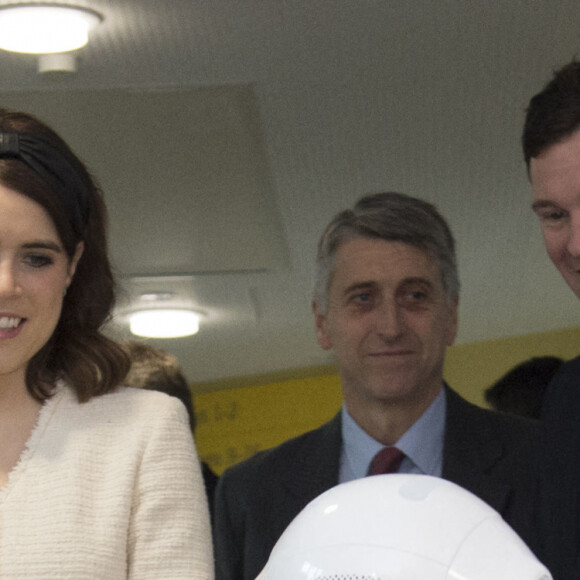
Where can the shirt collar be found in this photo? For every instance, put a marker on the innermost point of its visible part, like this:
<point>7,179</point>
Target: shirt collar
<point>422,443</point>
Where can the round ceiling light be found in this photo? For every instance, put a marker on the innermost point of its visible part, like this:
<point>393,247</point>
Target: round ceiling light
<point>164,323</point>
<point>45,28</point>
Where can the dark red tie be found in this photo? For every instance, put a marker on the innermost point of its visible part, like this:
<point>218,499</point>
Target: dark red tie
<point>387,460</point>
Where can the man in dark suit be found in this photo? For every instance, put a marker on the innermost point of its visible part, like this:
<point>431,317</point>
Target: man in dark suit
<point>551,144</point>
<point>385,303</point>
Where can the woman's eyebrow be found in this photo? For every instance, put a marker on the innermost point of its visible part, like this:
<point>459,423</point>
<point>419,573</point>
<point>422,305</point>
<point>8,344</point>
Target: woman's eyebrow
<point>43,245</point>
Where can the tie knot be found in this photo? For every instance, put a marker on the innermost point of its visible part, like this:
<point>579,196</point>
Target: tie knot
<point>387,460</point>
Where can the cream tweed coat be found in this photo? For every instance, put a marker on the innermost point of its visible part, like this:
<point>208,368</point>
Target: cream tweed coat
<point>109,489</point>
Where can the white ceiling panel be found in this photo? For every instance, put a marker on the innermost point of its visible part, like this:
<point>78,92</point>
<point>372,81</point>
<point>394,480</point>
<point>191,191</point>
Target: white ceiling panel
<point>185,174</point>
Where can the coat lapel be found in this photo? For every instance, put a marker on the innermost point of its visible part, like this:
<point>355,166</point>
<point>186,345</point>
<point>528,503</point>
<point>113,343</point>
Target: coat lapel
<point>472,450</point>
<point>316,467</point>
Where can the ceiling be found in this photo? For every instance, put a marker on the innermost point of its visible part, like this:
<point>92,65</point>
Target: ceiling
<point>226,134</point>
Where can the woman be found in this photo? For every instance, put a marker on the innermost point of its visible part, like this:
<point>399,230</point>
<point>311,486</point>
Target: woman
<point>96,481</point>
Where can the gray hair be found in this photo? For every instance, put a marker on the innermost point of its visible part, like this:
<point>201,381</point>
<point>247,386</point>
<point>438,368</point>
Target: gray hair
<point>393,217</point>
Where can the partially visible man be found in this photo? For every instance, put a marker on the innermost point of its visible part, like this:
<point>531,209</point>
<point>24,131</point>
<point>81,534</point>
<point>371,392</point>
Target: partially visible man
<point>385,303</point>
<point>551,144</point>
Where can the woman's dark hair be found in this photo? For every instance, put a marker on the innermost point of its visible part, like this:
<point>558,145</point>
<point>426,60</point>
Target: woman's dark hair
<point>77,352</point>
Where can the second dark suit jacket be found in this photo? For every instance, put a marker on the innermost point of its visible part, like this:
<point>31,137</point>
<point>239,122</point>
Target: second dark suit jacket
<point>559,466</point>
<point>485,452</point>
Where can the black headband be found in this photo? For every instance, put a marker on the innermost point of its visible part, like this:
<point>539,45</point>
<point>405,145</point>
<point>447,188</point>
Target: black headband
<point>52,166</point>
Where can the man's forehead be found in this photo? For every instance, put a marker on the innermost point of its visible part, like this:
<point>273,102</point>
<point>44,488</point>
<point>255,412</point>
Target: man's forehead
<point>368,246</point>
<point>364,260</point>
<point>556,167</point>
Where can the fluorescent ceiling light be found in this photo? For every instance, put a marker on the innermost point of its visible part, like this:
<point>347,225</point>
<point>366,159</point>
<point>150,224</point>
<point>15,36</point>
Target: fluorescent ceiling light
<point>164,323</point>
<point>45,28</point>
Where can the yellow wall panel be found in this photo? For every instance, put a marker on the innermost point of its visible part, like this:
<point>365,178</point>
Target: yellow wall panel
<point>233,424</point>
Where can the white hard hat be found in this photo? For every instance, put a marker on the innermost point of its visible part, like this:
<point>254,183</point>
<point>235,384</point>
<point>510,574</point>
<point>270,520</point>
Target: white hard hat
<point>400,527</point>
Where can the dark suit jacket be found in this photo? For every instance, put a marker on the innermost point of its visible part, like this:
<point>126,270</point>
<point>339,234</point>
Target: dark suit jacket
<point>559,464</point>
<point>485,452</point>
<point>210,480</point>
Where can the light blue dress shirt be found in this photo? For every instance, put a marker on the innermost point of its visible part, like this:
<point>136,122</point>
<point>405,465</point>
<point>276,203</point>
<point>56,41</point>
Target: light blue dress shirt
<point>422,444</point>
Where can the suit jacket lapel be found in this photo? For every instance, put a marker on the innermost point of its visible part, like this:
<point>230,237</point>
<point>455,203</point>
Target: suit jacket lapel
<point>471,450</point>
<point>316,468</point>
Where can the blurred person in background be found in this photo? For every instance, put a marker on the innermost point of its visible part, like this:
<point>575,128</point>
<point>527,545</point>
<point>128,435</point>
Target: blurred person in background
<point>521,390</point>
<point>157,370</point>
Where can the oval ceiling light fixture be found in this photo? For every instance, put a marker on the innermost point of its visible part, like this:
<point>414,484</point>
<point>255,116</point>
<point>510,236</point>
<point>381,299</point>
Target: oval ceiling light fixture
<point>164,323</point>
<point>34,28</point>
